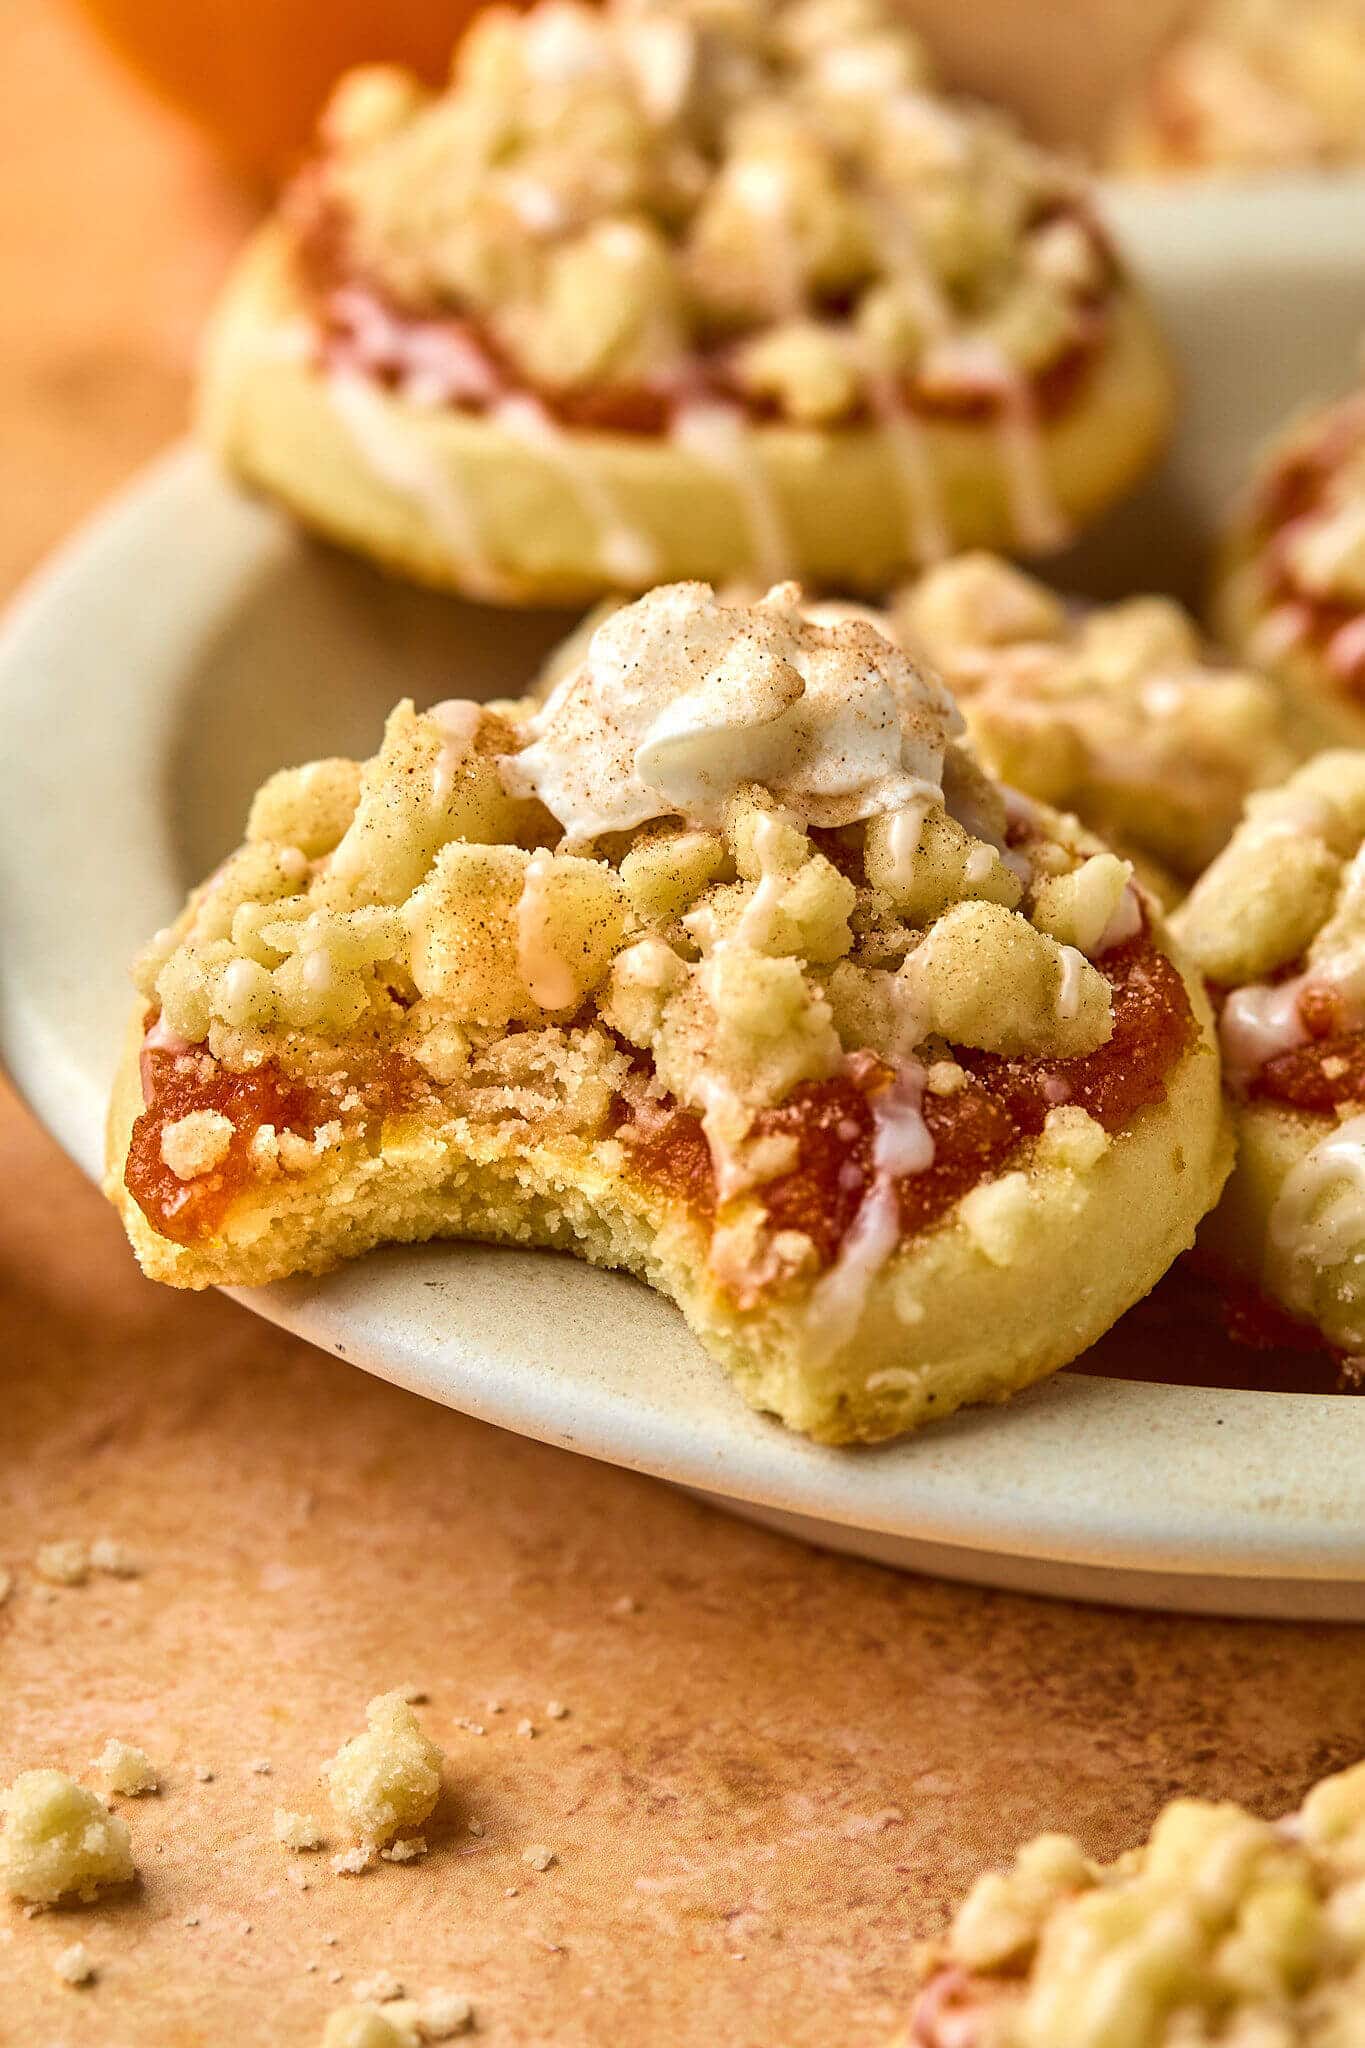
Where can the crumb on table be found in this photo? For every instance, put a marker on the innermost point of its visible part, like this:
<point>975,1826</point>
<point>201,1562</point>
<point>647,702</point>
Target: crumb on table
<point>74,1965</point>
<point>388,1779</point>
<point>126,1768</point>
<point>59,1839</point>
<point>297,1831</point>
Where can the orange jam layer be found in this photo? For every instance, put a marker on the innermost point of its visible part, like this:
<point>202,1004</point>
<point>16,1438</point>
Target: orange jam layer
<point>175,1084</point>
<point>1004,1103</point>
<point>1318,1076</point>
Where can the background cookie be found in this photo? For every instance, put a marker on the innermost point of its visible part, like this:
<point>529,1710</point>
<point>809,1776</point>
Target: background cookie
<point>1252,85</point>
<point>1117,712</point>
<point>1291,589</point>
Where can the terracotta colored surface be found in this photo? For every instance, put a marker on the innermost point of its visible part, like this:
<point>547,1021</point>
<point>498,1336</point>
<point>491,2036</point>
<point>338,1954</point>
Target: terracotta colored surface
<point>776,1769</point>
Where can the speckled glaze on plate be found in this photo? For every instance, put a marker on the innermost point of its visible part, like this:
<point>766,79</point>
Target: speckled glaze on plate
<point>189,642</point>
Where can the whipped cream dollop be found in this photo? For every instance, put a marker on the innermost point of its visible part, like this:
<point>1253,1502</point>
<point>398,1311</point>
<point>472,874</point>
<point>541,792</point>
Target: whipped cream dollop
<point>680,700</point>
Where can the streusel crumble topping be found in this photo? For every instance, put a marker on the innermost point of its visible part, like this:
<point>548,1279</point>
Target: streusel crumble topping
<point>1307,533</point>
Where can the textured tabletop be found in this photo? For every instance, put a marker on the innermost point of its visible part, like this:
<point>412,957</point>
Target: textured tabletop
<point>775,1768</point>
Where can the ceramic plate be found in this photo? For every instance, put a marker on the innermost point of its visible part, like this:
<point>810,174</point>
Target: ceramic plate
<point>190,642</point>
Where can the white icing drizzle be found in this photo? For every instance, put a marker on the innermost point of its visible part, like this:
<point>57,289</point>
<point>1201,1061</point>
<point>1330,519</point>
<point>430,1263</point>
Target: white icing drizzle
<point>537,205</point>
<point>971,362</point>
<point>902,841</point>
<point>1037,517</point>
<point>1258,1023</point>
<point>902,1144</point>
<point>1346,648</point>
<point>563,44</point>
<point>238,982</point>
<point>548,978</point>
<point>1125,923</point>
<point>1279,631</point>
<point>755,922</point>
<point>977,865</point>
<point>627,555</point>
<point>928,536</point>
<point>661,54</point>
<point>317,969</point>
<point>1318,1225</point>
<point>161,1038</point>
<point>721,1114</point>
<point>837,1300</point>
<point>933,2025</point>
<point>401,462</point>
<point>1021,815</point>
<point>719,437</point>
<point>902,1141</point>
<point>899,246</point>
<point>1021,812</point>
<point>458,719</point>
<point>433,362</point>
<point>1069,988</point>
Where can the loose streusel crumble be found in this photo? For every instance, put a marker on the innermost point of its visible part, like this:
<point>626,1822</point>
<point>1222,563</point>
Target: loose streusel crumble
<point>74,1965</point>
<point>573,974</point>
<point>387,1781</point>
<point>58,1839</point>
<point>127,1769</point>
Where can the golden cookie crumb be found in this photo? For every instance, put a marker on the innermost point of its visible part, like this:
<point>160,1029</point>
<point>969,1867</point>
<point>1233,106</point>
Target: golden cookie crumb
<point>59,1839</point>
<point>388,1779</point>
<point>126,1769</point>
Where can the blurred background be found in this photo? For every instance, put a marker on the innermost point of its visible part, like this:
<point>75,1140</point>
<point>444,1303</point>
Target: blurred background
<point>253,73</point>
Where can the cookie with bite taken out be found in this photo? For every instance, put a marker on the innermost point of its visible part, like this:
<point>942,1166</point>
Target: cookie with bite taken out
<point>727,965</point>
<point>661,290</point>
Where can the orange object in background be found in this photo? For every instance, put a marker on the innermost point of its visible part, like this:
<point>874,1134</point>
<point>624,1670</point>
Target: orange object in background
<point>253,74</point>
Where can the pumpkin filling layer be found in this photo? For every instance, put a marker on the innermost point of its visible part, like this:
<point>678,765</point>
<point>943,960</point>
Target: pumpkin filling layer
<point>455,360</point>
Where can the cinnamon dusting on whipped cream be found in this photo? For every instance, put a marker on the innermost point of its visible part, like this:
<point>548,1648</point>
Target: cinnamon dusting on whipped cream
<point>681,699</point>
